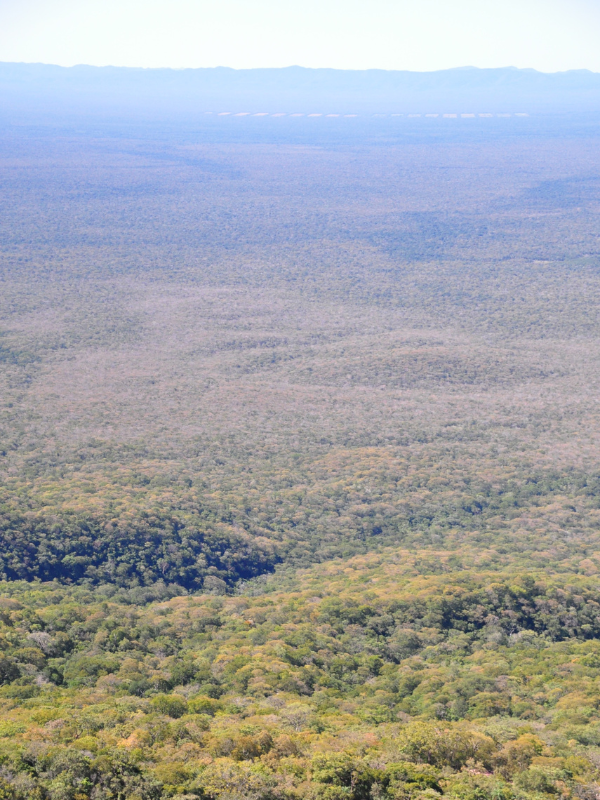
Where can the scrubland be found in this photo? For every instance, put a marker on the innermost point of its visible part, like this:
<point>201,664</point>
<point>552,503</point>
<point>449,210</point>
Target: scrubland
<point>300,486</point>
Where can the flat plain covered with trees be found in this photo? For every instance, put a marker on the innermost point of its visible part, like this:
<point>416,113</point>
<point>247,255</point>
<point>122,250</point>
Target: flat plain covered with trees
<point>300,469</point>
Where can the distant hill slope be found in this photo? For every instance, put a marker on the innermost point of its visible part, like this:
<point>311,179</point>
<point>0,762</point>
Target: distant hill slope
<point>296,89</point>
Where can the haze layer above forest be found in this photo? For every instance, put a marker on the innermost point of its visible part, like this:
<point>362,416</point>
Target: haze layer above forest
<point>41,91</point>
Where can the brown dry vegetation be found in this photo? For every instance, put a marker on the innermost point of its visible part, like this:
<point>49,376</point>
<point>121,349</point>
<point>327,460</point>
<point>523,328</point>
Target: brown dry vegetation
<point>288,328</point>
<point>220,361</point>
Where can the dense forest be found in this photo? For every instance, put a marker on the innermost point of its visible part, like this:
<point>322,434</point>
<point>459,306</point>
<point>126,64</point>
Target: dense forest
<point>299,458</point>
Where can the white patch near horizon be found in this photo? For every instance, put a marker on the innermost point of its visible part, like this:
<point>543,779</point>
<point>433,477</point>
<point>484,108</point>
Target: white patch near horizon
<point>353,116</point>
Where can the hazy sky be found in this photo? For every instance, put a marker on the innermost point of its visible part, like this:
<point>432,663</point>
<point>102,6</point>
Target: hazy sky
<point>548,35</point>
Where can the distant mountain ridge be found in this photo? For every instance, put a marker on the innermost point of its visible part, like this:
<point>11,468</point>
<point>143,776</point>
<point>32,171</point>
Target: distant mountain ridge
<point>301,89</point>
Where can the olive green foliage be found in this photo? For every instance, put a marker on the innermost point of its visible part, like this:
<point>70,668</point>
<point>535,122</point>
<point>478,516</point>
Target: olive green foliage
<point>311,685</point>
<point>299,472</point>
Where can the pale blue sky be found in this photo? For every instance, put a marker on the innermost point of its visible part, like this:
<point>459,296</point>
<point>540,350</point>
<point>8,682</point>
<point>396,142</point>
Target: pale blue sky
<point>549,35</point>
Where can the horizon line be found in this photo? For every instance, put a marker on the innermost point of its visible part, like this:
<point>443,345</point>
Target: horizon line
<point>296,66</point>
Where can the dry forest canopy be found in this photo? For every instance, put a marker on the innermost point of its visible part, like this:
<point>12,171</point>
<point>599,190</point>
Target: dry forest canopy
<point>300,460</point>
